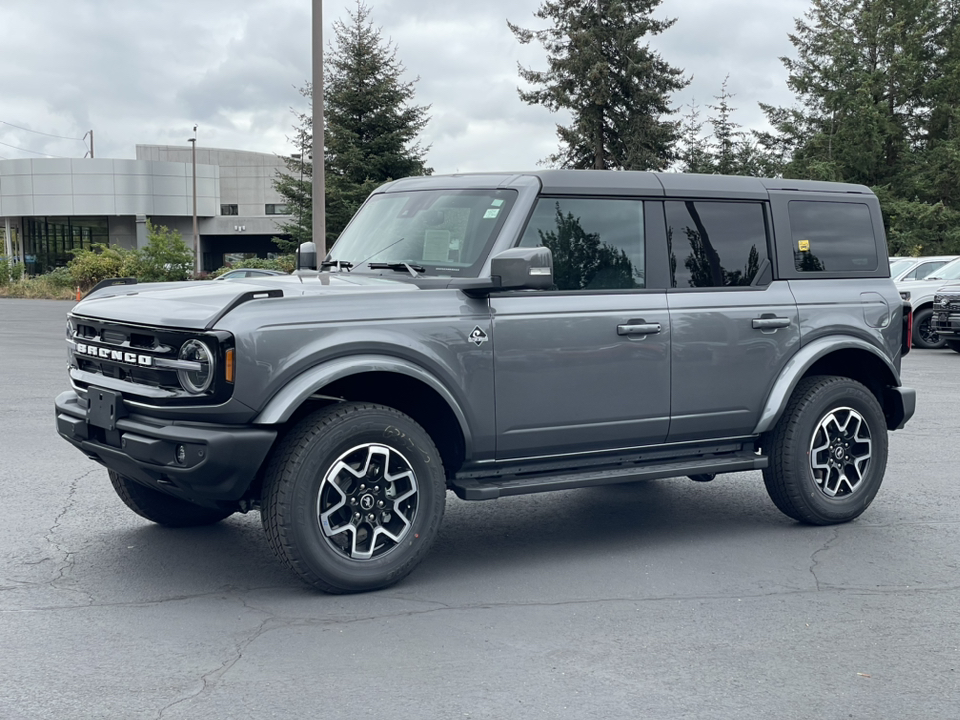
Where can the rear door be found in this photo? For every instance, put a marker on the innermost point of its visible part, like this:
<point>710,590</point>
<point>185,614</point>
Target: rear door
<point>733,327</point>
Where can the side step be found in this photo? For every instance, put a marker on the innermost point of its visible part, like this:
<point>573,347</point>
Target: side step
<point>475,488</point>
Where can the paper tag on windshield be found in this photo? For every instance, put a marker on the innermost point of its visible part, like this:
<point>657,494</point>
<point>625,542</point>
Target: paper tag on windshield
<point>491,213</point>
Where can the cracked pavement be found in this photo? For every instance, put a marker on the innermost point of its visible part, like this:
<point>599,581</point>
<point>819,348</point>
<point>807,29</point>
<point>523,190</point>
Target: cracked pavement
<point>666,599</point>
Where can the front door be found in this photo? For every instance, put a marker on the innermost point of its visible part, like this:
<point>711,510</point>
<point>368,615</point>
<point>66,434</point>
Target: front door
<point>585,367</point>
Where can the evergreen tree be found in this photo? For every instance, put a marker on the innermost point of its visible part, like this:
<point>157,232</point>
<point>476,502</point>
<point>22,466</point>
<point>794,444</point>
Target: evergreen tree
<point>877,84</point>
<point>617,89</point>
<point>729,150</point>
<point>371,127</point>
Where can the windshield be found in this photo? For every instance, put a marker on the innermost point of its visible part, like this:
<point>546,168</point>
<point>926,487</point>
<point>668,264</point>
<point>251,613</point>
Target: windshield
<point>442,232</point>
<point>950,271</point>
<point>898,266</point>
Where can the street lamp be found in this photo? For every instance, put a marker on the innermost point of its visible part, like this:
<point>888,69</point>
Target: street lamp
<point>196,234</point>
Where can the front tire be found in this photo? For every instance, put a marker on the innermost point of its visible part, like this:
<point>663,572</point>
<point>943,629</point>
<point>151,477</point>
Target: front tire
<point>353,497</point>
<point>924,336</point>
<point>828,452</point>
<point>161,508</point>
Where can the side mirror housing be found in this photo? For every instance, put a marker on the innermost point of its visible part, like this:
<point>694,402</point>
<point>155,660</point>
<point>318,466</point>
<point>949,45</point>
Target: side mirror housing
<point>528,268</point>
<point>523,268</point>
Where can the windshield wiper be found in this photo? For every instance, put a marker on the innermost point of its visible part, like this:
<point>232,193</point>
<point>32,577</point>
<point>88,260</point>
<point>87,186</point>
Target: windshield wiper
<point>414,270</point>
<point>338,264</point>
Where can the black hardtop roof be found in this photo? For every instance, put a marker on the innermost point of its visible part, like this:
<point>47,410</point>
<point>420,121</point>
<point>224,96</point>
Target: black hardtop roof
<point>625,182</point>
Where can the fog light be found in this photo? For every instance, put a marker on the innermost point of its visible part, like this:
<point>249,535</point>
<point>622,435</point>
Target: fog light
<point>181,454</point>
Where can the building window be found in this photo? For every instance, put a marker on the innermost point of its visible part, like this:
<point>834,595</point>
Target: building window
<point>276,209</point>
<point>229,210</point>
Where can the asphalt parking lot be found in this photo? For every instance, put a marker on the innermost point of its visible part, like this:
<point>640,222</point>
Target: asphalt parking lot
<point>666,599</point>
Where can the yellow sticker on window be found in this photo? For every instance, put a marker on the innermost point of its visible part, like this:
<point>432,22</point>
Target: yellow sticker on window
<point>803,245</point>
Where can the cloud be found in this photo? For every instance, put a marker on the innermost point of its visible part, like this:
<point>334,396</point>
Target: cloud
<point>146,72</point>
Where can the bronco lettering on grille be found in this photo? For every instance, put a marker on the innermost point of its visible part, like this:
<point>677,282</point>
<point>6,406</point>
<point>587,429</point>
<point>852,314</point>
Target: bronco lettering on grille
<point>102,353</point>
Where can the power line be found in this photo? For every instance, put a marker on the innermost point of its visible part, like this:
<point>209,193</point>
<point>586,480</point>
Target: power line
<point>32,151</point>
<point>37,132</point>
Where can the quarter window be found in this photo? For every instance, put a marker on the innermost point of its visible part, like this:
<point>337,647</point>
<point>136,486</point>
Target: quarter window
<point>832,237</point>
<point>597,243</point>
<point>715,244</point>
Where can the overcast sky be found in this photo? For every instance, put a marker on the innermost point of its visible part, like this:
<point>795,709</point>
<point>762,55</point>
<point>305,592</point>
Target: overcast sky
<point>145,72</point>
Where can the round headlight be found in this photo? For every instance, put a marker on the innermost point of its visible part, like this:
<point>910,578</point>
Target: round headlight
<point>197,380</point>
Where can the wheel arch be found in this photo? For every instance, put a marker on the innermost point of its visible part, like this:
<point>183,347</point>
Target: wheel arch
<point>385,380</point>
<point>845,357</point>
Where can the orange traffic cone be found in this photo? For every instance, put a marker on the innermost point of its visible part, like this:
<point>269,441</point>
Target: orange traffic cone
<point>79,294</point>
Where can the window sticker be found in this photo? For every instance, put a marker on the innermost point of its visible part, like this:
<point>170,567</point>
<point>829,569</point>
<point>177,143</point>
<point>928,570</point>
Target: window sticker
<point>803,245</point>
<point>497,203</point>
<point>491,213</point>
<point>436,246</point>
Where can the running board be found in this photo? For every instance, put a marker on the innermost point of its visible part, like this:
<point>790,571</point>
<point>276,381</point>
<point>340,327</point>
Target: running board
<point>500,486</point>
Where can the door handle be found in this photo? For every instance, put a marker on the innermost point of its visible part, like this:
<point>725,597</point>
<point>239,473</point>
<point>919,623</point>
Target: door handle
<point>639,328</point>
<point>770,322</point>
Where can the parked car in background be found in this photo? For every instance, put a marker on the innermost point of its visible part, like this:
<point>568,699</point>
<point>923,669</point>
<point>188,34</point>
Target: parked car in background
<point>905,269</point>
<point>946,316</point>
<point>240,273</point>
<point>920,294</point>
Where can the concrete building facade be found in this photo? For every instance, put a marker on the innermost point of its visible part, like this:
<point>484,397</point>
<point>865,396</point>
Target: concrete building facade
<point>49,206</point>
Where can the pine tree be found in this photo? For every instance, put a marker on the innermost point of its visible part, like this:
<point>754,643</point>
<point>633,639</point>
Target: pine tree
<point>617,89</point>
<point>728,150</point>
<point>874,80</point>
<point>371,127</point>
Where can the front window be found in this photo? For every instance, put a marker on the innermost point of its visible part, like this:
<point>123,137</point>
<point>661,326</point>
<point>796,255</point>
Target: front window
<point>443,232</point>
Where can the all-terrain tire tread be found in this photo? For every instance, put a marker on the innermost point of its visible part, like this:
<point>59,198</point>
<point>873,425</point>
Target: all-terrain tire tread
<point>274,506</point>
<point>782,444</point>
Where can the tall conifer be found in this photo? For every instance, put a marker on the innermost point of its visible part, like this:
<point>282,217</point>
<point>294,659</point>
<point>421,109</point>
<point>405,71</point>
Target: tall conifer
<point>617,89</point>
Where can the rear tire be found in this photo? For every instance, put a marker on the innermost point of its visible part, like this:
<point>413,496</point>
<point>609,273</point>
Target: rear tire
<point>828,452</point>
<point>924,336</point>
<point>353,497</point>
<point>161,508</point>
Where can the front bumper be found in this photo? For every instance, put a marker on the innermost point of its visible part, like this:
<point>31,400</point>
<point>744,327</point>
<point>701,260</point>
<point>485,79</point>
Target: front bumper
<point>217,463</point>
<point>946,324</point>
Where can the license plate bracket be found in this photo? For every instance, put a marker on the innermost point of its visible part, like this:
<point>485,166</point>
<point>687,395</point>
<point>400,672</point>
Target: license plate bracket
<point>104,407</point>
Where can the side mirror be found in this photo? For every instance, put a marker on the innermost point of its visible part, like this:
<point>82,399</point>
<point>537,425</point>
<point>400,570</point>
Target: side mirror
<point>523,268</point>
<point>514,269</point>
<point>307,256</point>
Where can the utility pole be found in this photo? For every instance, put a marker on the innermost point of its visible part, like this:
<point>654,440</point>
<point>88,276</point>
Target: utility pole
<point>319,187</point>
<point>196,234</point>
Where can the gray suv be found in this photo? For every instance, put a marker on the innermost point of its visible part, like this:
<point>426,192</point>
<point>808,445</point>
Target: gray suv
<point>503,334</point>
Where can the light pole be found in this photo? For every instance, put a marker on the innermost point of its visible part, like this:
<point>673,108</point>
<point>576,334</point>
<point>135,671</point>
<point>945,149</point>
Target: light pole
<point>319,189</point>
<point>196,234</point>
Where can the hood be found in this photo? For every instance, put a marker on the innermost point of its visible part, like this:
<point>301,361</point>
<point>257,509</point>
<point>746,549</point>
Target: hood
<point>198,305</point>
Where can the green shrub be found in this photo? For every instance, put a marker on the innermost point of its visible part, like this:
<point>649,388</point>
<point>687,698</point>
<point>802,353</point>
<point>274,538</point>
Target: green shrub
<point>88,267</point>
<point>47,287</point>
<point>284,263</point>
<point>166,256</point>
<point>4,271</point>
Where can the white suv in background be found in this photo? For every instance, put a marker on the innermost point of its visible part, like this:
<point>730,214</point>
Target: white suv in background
<point>920,295</point>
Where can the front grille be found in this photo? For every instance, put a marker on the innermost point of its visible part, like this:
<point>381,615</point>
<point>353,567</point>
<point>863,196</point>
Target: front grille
<point>946,303</point>
<point>132,358</point>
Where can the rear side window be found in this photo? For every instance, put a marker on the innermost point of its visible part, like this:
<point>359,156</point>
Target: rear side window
<point>832,237</point>
<point>597,243</point>
<point>715,244</point>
